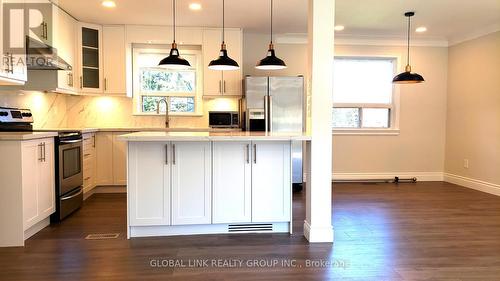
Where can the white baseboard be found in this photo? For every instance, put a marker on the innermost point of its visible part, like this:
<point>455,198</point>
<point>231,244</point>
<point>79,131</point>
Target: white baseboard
<point>421,176</point>
<point>473,183</point>
<point>316,234</point>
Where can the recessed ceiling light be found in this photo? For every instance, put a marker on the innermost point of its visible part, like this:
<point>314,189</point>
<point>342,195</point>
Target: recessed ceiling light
<point>195,6</point>
<point>108,4</point>
<point>339,27</point>
<point>421,29</point>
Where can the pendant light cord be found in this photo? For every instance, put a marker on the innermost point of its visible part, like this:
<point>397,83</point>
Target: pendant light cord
<point>271,21</point>
<point>173,9</point>
<point>223,20</point>
<point>408,47</point>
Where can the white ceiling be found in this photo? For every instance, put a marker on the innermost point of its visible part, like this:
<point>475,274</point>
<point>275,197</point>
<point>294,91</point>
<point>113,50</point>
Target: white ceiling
<point>445,19</point>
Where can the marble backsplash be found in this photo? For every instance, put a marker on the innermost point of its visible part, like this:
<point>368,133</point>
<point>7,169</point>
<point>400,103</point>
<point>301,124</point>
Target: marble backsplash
<point>49,109</point>
<point>59,111</point>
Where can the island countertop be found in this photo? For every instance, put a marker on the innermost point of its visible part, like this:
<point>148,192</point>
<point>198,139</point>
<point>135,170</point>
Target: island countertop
<point>214,136</point>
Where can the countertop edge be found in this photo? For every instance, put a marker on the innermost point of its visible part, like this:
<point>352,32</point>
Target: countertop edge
<point>13,136</point>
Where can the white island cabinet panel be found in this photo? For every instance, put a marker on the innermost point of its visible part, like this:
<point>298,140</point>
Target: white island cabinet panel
<point>232,188</point>
<point>191,183</point>
<point>149,184</point>
<point>271,181</point>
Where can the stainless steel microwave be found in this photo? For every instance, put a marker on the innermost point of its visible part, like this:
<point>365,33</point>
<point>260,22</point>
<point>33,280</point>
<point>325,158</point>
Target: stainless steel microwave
<point>223,119</point>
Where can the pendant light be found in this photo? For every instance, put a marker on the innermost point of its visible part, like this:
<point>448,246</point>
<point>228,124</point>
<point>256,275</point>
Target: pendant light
<point>223,62</point>
<point>271,61</point>
<point>174,61</point>
<point>408,77</point>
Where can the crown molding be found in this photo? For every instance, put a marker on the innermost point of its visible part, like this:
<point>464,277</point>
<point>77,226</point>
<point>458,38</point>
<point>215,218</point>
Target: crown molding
<point>365,40</point>
<point>454,40</point>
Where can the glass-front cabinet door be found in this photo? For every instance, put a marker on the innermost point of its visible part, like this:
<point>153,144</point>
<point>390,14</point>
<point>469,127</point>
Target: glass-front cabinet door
<point>90,55</point>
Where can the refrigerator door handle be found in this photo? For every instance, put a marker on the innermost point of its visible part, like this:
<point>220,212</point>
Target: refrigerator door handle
<point>270,105</point>
<point>266,112</point>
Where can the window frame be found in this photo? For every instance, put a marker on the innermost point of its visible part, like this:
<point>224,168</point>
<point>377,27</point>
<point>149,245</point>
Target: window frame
<point>394,108</point>
<point>137,94</point>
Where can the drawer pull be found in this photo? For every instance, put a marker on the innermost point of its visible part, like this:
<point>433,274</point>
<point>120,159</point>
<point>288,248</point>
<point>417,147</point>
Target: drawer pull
<point>87,178</point>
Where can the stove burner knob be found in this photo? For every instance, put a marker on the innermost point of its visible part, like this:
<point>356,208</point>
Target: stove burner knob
<point>4,113</point>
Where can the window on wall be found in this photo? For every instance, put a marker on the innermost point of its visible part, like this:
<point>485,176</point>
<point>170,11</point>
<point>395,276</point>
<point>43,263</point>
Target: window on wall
<point>181,89</point>
<point>363,96</point>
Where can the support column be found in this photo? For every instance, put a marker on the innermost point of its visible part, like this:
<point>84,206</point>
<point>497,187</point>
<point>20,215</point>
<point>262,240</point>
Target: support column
<point>318,223</point>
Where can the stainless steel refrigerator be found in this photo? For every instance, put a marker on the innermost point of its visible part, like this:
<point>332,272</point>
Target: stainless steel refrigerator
<point>276,104</point>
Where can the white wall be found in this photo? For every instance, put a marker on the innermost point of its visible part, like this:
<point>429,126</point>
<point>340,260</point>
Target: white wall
<point>419,148</point>
<point>473,117</point>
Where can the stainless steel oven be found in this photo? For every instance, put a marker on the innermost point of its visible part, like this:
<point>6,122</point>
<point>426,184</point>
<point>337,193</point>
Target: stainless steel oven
<point>69,174</point>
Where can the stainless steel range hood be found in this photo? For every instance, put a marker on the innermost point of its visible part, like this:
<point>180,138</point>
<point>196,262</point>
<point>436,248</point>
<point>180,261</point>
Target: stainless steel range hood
<point>46,70</point>
<point>40,56</point>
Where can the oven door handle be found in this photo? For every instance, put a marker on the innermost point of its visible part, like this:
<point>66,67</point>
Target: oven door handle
<point>72,196</point>
<point>70,141</point>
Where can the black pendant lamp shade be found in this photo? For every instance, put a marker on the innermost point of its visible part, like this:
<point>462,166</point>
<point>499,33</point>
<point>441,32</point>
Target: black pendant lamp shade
<point>223,62</point>
<point>408,77</point>
<point>271,61</point>
<point>174,60</point>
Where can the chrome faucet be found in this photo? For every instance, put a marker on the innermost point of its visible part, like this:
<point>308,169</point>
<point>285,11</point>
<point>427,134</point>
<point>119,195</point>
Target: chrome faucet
<point>167,116</point>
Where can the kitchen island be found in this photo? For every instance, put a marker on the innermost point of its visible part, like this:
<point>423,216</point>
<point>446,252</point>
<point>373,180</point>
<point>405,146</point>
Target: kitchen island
<point>182,183</point>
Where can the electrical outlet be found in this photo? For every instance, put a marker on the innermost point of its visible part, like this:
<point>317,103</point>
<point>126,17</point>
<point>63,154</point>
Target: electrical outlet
<point>466,163</point>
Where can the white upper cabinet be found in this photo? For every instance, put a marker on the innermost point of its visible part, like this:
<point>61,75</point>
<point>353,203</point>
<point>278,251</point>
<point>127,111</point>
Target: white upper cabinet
<point>232,80</point>
<point>13,70</point>
<point>114,60</point>
<point>90,63</point>
<point>191,183</point>
<point>271,181</point>
<point>149,188</point>
<point>64,40</point>
<point>232,190</point>
<point>219,83</point>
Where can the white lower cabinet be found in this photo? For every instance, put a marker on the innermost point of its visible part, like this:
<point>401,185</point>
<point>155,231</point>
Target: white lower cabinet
<point>38,181</point>
<point>191,183</point>
<point>111,161</point>
<point>271,181</point>
<point>232,185</point>
<point>149,184</point>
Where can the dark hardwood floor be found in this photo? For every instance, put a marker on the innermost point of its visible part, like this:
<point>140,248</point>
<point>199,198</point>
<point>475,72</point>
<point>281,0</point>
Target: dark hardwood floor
<point>423,231</point>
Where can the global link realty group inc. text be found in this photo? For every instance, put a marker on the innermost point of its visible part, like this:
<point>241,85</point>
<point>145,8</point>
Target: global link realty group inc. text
<point>250,263</point>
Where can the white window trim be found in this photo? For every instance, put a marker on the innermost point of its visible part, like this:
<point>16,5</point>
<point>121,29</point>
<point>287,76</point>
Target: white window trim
<point>393,130</point>
<point>198,95</point>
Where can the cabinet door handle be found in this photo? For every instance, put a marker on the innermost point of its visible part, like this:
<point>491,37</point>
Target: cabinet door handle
<point>224,86</point>
<point>248,154</point>
<point>87,178</point>
<point>173,154</point>
<point>105,84</point>
<point>255,153</point>
<point>166,154</point>
<point>43,152</point>
<point>86,154</point>
<point>81,82</point>
<point>220,87</point>
<point>6,61</point>
<point>93,141</point>
<point>12,63</point>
